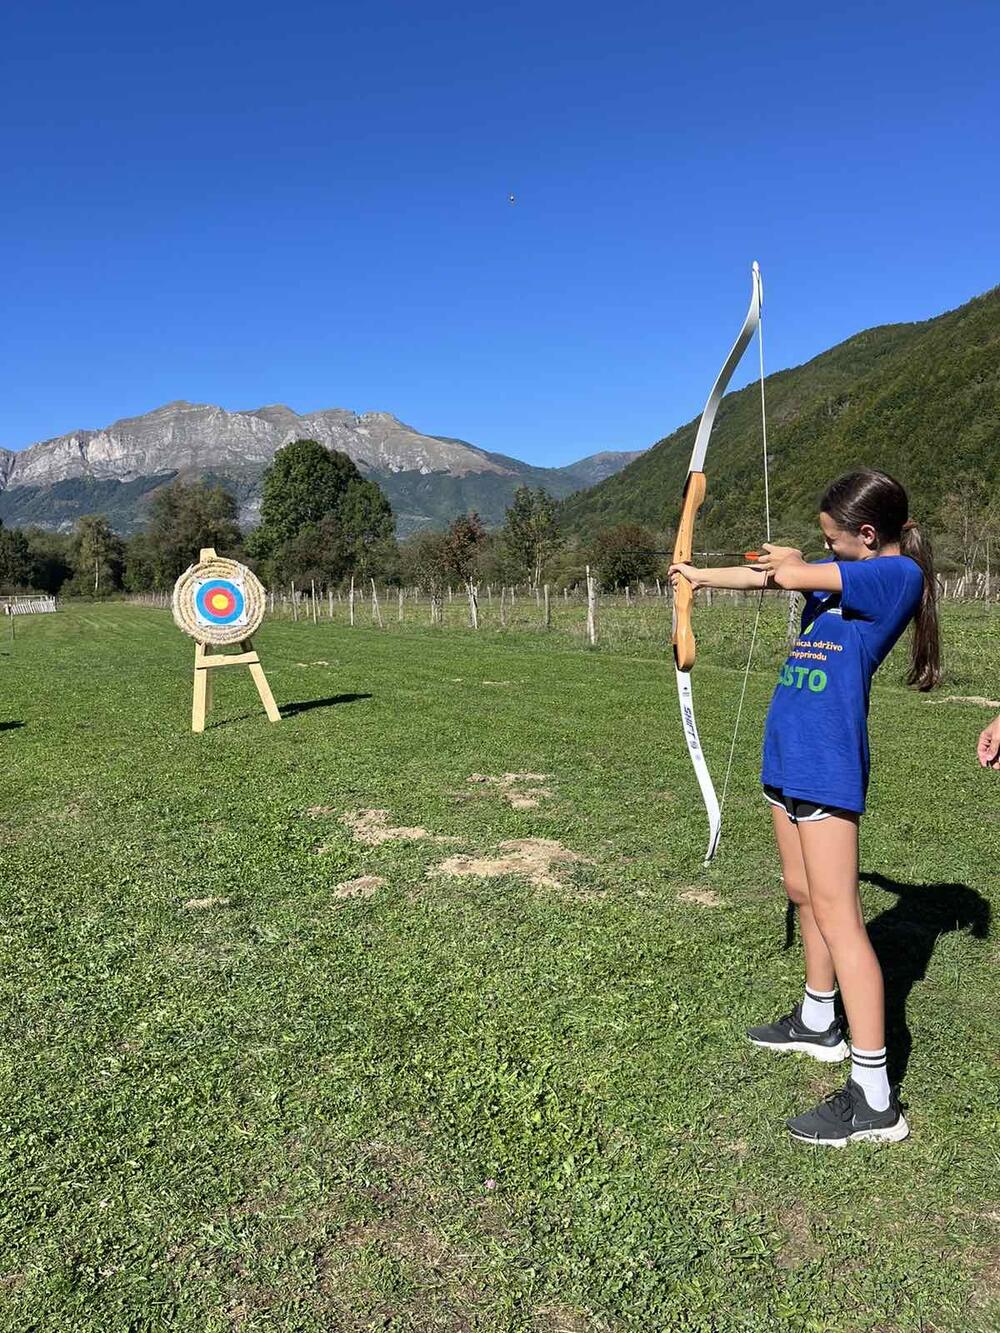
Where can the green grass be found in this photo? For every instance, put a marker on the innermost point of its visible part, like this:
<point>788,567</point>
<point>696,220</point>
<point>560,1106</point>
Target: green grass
<point>464,1103</point>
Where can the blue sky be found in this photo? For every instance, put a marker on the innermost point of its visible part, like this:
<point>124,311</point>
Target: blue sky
<point>307,203</point>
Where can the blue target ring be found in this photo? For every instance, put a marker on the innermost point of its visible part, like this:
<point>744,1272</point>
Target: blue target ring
<point>220,602</point>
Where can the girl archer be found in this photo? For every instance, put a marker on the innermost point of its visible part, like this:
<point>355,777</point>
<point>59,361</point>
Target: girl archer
<point>815,772</point>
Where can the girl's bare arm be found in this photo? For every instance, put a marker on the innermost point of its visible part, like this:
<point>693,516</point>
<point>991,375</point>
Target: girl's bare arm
<point>733,576</point>
<point>798,575</point>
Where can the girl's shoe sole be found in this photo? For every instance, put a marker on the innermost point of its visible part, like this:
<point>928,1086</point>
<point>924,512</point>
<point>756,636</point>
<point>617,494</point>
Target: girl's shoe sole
<point>891,1134</point>
<point>829,1055</point>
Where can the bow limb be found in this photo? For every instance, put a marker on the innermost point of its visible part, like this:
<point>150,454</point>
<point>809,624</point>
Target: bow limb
<point>694,496</point>
<point>699,762</point>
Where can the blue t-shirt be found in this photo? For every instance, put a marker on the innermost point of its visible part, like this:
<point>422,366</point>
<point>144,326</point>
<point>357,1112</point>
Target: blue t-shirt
<point>816,734</point>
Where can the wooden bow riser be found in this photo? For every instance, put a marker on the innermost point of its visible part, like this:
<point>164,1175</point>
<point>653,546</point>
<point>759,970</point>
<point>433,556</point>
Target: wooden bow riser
<point>684,645</point>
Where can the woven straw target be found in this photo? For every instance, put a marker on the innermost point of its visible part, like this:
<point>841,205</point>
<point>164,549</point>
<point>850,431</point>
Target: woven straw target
<point>218,601</point>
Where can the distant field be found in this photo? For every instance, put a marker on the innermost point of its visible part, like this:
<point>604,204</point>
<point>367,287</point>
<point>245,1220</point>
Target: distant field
<point>242,1091</point>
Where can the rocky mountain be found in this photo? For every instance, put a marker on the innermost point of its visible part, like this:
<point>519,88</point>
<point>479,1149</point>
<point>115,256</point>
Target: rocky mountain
<point>429,479</point>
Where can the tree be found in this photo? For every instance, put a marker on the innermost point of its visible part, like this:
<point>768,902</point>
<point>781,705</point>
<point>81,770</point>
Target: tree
<point>321,519</point>
<point>623,555</point>
<point>303,484</point>
<point>425,560</point>
<point>51,562</point>
<point>463,543</point>
<point>367,529</point>
<point>96,554</point>
<point>15,560</point>
<point>183,518</point>
<point>530,534</point>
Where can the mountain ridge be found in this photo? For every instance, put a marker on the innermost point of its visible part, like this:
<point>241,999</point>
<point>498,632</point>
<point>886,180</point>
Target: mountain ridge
<point>429,478</point>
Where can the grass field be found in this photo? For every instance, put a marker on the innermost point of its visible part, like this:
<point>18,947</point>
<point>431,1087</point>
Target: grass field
<point>239,1096</point>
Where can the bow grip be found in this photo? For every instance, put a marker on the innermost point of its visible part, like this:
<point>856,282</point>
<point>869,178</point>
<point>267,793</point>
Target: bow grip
<point>684,646</point>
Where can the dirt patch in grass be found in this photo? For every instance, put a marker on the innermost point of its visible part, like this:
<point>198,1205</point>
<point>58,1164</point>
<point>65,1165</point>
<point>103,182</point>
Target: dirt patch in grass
<point>362,887</point>
<point>563,1319</point>
<point>405,1232</point>
<point>703,897</point>
<point>986,1287</point>
<point>203,904</point>
<point>799,1247</point>
<point>967,699</point>
<point>372,827</point>
<point>522,791</point>
<point>541,861</point>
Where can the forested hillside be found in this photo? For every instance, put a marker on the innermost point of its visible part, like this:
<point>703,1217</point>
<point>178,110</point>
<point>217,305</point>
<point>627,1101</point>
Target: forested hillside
<point>921,401</point>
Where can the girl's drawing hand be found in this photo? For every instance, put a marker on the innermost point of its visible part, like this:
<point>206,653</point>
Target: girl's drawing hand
<point>988,749</point>
<point>772,556</point>
<point>693,576</point>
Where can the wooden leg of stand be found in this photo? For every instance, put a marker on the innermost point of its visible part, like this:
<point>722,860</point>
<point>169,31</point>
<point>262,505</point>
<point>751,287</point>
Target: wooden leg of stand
<point>263,689</point>
<point>200,705</point>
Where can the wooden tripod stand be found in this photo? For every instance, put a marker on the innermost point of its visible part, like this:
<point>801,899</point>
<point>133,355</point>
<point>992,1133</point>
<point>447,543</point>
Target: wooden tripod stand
<point>206,661</point>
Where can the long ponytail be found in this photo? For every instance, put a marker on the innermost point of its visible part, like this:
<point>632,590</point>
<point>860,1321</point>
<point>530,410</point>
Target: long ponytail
<point>875,498</point>
<point>925,649</point>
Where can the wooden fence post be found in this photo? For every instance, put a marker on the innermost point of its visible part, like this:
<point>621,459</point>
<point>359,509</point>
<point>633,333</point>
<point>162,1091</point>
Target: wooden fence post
<point>350,599</point>
<point>548,609</point>
<point>591,610</point>
<point>473,605</point>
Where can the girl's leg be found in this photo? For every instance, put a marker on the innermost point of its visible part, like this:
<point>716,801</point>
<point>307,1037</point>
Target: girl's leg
<point>830,859</point>
<point>819,963</point>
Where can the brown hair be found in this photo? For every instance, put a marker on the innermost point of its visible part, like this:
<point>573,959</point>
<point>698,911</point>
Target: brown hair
<point>878,499</point>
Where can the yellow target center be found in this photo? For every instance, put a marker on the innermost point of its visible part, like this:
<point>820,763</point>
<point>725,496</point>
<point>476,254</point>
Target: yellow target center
<point>219,601</point>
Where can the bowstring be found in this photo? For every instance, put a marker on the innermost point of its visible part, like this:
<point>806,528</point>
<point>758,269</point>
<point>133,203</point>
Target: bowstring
<point>760,599</point>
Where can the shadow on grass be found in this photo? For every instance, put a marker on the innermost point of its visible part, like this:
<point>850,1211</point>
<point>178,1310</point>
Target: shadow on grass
<point>10,726</point>
<point>904,937</point>
<point>290,710</point>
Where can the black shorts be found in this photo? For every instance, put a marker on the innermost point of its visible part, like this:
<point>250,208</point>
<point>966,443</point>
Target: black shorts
<point>799,811</point>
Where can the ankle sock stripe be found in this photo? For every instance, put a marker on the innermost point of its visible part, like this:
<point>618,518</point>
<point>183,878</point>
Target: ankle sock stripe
<point>821,994</point>
<point>868,1062</point>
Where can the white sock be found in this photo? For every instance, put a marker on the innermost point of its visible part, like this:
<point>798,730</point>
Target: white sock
<point>868,1072</point>
<point>817,1009</point>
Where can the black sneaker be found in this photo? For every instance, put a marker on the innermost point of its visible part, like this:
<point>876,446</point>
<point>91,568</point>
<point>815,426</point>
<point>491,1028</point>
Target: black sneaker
<point>845,1117</point>
<point>790,1034</point>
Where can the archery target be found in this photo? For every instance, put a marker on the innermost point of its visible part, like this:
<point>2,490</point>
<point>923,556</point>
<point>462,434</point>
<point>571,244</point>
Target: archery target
<point>218,601</point>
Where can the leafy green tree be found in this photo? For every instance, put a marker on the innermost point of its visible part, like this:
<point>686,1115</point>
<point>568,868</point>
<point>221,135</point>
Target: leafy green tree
<point>367,529</point>
<point>51,564</point>
<point>530,534</point>
<point>15,560</point>
<point>303,484</point>
<point>321,519</point>
<point>183,518</point>
<point>623,555</point>
<point>140,565</point>
<point>97,557</point>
